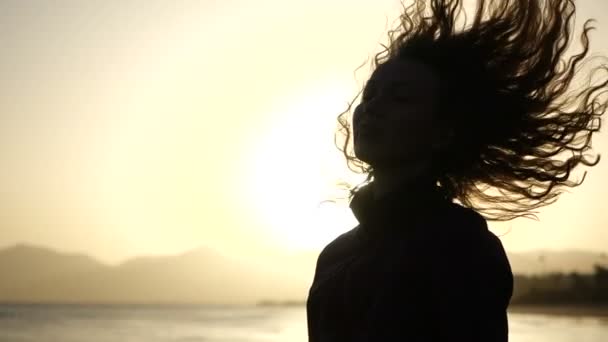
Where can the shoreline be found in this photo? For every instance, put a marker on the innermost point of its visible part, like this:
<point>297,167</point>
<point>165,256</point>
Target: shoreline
<point>572,310</point>
<point>560,310</point>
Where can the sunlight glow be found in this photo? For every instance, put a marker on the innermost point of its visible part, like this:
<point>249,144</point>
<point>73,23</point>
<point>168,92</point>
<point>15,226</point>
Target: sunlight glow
<point>295,167</point>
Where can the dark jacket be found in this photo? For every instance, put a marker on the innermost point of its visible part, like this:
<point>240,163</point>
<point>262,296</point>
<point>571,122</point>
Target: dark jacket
<point>417,268</point>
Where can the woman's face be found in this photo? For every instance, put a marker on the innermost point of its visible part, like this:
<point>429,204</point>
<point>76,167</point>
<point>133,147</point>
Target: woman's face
<point>395,122</point>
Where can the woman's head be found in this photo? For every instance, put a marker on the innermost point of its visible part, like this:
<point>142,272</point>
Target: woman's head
<point>490,102</point>
<point>396,120</point>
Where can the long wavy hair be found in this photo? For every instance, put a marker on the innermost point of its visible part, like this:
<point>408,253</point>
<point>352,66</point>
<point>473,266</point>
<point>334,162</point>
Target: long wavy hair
<point>522,125</point>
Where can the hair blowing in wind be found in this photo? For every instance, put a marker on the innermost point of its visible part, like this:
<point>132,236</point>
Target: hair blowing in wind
<point>522,123</point>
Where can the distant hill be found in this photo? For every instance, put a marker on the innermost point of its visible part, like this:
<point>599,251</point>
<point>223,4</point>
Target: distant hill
<point>547,261</point>
<point>25,263</point>
<point>37,274</point>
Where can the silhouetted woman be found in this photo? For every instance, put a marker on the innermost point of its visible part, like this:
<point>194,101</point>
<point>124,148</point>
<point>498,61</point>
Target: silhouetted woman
<point>485,113</point>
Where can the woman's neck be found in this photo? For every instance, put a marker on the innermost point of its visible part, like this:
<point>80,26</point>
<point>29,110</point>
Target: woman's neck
<point>388,179</point>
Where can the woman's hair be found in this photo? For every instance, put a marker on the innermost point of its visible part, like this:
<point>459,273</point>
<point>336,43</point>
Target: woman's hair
<point>521,125</point>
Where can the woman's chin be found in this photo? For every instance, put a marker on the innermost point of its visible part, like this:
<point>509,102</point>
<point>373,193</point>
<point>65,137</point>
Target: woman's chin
<point>364,153</point>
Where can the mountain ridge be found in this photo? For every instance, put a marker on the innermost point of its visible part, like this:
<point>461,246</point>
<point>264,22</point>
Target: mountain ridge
<point>34,273</point>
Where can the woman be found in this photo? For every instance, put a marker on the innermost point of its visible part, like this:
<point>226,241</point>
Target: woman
<point>482,112</point>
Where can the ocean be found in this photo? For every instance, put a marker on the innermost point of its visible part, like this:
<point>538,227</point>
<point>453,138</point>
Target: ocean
<point>103,323</point>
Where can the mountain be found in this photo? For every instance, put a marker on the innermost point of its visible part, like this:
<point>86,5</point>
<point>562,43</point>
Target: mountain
<point>36,274</point>
<point>203,275</point>
<point>24,264</point>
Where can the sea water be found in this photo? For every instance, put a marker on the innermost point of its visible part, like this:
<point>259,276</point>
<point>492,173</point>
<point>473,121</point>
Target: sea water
<point>115,323</point>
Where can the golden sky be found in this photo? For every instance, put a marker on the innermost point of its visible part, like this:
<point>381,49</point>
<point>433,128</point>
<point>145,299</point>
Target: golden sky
<point>152,127</point>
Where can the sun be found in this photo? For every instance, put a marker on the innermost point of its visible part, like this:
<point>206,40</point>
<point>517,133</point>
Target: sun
<point>294,167</point>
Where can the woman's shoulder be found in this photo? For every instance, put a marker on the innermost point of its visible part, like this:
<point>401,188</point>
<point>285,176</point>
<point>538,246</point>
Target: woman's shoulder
<point>338,249</point>
<point>467,250</point>
<point>463,231</point>
<point>459,223</point>
<point>464,218</point>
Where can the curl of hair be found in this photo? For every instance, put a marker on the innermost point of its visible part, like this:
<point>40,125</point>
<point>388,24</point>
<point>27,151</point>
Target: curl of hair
<point>521,125</point>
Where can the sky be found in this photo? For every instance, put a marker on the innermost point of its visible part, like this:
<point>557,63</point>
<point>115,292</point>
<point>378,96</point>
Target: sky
<point>153,127</point>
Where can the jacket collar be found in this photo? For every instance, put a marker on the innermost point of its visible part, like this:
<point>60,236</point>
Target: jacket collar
<point>405,202</point>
